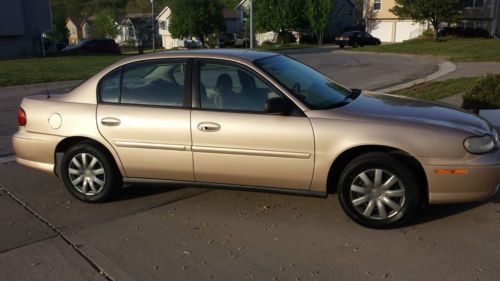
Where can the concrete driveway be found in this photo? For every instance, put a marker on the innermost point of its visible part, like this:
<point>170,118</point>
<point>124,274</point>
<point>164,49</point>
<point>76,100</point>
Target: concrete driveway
<point>151,232</point>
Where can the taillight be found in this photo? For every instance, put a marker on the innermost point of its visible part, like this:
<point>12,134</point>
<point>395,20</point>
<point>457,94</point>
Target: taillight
<point>21,117</point>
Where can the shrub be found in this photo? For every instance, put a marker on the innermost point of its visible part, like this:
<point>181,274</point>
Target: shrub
<point>308,39</point>
<point>286,37</point>
<point>267,43</point>
<point>464,32</point>
<point>428,33</point>
<point>485,94</point>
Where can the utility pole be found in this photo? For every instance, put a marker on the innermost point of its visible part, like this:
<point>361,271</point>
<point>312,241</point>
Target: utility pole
<point>153,24</point>
<point>251,25</point>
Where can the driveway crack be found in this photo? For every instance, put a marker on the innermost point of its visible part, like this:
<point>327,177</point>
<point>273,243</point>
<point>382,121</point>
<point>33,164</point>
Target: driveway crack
<point>75,247</point>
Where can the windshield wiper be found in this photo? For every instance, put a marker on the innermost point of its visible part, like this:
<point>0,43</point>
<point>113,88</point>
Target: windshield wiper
<point>353,95</point>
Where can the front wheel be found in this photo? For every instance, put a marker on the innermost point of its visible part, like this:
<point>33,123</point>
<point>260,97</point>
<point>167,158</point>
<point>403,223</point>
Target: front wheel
<point>88,173</point>
<point>376,190</point>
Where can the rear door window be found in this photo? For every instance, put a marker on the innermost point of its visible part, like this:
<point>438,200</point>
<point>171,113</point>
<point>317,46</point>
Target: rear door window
<point>154,83</point>
<point>159,83</point>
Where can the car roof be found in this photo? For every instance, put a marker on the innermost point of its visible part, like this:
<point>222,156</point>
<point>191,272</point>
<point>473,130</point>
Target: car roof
<point>227,54</point>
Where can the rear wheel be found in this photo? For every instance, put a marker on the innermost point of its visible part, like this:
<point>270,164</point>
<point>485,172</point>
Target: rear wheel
<point>342,46</point>
<point>89,174</point>
<point>378,191</point>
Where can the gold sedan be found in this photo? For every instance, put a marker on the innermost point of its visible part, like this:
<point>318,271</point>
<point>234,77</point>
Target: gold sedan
<point>257,120</point>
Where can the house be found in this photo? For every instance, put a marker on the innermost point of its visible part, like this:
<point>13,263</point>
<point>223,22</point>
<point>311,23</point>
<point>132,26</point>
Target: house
<point>167,41</point>
<point>481,14</point>
<point>75,30</point>
<point>79,29</point>
<point>134,27</point>
<point>341,18</point>
<point>381,23</point>
<point>22,23</point>
<point>230,20</point>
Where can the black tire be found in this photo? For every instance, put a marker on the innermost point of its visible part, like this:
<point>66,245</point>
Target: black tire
<point>110,175</point>
<point>342,46</point>
<point>407,185</point>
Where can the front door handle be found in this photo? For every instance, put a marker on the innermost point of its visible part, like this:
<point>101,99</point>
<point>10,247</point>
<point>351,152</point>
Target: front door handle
<point>110,121</point>
<point>208,127</point>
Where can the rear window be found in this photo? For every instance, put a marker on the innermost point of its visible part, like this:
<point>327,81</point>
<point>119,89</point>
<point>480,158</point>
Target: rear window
<point>109,88</point>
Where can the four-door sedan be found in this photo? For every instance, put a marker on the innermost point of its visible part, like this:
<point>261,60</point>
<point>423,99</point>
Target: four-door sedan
<point>356,39</point>
<point>259,121</point>
<point>93,46</point>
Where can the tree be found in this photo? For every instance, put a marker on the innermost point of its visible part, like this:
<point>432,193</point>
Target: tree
<point>144,6</point>
<point>278,15</point>
<point>318,12</point>
<point>360,4</point>
<point>59,30</point>
<point>433,11</point>
<point>195,18</point>
<point>105,24</point>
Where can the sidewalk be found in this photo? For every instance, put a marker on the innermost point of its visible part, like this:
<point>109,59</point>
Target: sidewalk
<point>472,69</point>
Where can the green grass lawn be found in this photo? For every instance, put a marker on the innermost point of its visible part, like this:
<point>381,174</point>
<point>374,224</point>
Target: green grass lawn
<point>50,69</point>
<point>436,90</point>
<point>454,49</point>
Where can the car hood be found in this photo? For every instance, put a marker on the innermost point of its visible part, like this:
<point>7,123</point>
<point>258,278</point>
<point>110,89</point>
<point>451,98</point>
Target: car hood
<point>371,106</point>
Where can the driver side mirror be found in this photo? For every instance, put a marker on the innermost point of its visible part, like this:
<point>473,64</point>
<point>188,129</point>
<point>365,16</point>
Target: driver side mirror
<point>279,106</point>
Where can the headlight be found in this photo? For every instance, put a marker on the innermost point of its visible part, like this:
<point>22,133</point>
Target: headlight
<point>478,145</point>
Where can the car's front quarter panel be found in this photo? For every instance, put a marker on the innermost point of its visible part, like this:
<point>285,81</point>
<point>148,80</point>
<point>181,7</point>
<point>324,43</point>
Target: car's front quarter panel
<point>434,147</point>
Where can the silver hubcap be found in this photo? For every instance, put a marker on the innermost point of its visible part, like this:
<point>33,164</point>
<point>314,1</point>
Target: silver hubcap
<point>377,194</point>
<point>86,174</point>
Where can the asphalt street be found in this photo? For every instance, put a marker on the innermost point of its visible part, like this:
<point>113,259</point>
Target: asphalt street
<point>163,232</point>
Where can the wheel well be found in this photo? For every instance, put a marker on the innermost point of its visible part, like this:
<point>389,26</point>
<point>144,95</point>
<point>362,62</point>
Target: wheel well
<point>71,141</point>
<point>410,161</point>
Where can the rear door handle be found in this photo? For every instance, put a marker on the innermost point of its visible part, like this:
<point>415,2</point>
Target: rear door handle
<point>208,127</point>
<point>110,121</point>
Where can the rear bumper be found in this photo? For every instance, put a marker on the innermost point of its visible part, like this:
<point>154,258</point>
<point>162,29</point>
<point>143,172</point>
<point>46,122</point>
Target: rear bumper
<point>342,42</point>
<point>36,151</point>
<point>478,183</point>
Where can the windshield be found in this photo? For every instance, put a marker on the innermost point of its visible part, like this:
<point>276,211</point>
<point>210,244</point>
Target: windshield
<point>313,88</point>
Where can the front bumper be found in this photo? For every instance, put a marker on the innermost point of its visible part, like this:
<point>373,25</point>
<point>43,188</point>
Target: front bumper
<point>478,183</point>
<point>35,150</point>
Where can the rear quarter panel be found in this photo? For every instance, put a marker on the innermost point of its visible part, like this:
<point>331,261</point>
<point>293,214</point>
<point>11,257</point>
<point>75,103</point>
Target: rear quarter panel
<point>77,119</point>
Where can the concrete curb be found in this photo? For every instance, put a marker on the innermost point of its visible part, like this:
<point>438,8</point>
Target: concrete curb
<point>444,68</point>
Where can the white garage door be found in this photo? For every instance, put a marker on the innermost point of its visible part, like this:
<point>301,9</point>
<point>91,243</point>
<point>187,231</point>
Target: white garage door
<point>407,30</point>
<point>382,30</point>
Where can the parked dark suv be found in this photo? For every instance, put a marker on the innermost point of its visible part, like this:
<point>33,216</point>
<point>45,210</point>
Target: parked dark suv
<point>93,46</point>
<point>356,39</point>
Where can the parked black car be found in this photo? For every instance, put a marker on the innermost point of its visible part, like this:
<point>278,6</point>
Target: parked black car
<point>356,39</point>
<point>89,46</point>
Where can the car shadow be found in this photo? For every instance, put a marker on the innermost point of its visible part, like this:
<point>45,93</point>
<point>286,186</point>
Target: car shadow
<point>133,191</point>
<point>437,212</point>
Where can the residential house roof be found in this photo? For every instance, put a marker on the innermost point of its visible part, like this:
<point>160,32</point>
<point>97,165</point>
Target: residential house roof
<point>163,11</point>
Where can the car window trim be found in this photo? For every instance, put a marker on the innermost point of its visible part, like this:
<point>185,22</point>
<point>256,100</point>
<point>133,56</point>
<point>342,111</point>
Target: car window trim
<point>297,112</point>
<point>186,103</point>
